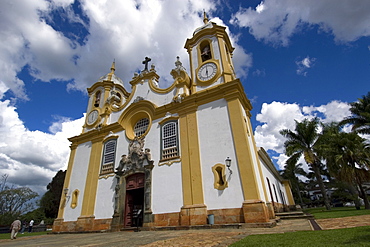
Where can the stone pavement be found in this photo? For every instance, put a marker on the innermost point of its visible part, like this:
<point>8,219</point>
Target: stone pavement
<point>204,237</point>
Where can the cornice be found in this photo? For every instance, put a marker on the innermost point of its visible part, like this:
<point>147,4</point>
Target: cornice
<point>95,135</point>
<point>266,159</point>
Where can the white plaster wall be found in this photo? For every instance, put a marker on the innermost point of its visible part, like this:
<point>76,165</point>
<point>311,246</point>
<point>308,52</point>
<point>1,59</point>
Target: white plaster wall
<point>267,174</point>
<point>78,180</point>
<point>104,204</point>
<point>274,181</point>
<point>166,180</point>
<point>216,144</point>
<point>167,189</point>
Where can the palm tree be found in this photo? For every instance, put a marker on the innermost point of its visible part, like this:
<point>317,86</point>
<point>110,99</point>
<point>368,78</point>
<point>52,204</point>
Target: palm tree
<point>302,141</point>
<point>347,157</point>
<point>360,118</point>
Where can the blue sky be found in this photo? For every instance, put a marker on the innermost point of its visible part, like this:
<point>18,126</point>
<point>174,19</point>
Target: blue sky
<point>296,59</point>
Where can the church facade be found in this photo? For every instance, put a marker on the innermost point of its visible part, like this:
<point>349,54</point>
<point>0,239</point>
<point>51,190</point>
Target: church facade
<point>171,157</point>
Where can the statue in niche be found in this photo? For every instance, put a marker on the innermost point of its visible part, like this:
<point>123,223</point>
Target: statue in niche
<point>136,157</point>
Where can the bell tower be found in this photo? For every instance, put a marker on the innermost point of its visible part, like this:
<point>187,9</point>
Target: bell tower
<point>210,56</point>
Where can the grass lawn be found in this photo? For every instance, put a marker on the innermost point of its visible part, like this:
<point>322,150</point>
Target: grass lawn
<point>322,213</point>
<point>358,236</point>
<point>19,235</point>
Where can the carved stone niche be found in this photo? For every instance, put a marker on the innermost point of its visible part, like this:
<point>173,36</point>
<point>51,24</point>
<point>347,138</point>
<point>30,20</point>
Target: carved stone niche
<point>138,160</point>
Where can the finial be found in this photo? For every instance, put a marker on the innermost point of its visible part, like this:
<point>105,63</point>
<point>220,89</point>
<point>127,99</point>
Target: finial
<point>205,18</point>
<point>112,69</point>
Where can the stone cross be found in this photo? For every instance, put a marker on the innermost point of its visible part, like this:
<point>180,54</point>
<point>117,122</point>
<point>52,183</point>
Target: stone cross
<point>146,61</point>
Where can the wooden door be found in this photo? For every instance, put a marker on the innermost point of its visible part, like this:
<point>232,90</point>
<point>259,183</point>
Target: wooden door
<point>134,196</point>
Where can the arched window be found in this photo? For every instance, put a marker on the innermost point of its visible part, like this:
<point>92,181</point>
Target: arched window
<point>169,141</point>
<point>205,50</point>
<point>141,126</point>
<point>109,155</point>
<point>97,98</point>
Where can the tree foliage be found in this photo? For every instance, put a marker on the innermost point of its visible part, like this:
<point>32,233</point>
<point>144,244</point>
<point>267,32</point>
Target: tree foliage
<point>360,118</point>
<point>14,201</point>
<point>49,203</point>
<point>347,157</point>
<point>303,142</point>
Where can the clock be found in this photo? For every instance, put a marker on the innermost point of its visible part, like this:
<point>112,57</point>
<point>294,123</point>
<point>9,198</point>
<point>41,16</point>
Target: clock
<point>92,117</point>
<point>207,71</point>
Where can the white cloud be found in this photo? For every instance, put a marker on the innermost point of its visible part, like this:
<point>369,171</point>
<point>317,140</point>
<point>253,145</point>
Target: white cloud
<point>304,64</point>
<point>31,158</point>
<point>275,21</point>
<point>277,116</point>
<point>125,32</point>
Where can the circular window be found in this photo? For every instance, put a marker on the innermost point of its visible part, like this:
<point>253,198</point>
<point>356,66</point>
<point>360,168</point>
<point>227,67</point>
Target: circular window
<point>141,126</point>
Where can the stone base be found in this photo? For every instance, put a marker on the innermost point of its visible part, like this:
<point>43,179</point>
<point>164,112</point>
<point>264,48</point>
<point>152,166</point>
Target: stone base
<point>270,209</point>
<point>227,215</point>
<point>83,224</point>
<point>255,211</point>
<point>193,215</point>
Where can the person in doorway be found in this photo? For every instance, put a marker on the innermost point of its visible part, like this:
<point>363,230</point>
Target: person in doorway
<point>30,226</point>
<point>15,227</point>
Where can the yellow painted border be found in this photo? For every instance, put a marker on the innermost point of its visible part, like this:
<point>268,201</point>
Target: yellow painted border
<point>67,181</point>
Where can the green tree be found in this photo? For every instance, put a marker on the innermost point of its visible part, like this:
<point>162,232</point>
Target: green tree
<point>347,157</point>
<point>14,201</point>
<point>50,201</point>
<point>302,142</point>
<point>360,118</point>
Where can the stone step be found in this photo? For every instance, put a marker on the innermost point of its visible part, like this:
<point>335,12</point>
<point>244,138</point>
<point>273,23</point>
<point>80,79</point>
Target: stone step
<point>293,217</point>
<point>289,213</point>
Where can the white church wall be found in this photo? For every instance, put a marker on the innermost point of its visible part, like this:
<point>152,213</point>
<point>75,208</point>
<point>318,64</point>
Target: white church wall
<point>167,189</point>
<point>166,180</point>
<point>104,204</point>
<point>267,174</point>
<point>78,180</point>
<point>216,144</point>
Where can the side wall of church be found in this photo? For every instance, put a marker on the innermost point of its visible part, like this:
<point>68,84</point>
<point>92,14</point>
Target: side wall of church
<point>215,138</point>
<point>78,180</point>
<point>276,188</point>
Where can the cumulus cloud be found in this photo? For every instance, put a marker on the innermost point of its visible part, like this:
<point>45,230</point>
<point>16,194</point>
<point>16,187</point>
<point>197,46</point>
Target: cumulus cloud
<point>275,21</point>
<point>304,64</point>
<point>278,115</point>
<point>98,32</point>
<point>109,31</point>
<point>31,158</point>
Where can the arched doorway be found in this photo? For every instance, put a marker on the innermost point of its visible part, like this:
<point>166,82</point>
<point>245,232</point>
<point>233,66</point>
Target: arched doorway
<point>134,202</point>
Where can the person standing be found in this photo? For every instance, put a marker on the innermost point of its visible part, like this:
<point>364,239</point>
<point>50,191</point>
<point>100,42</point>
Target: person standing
<point>14,227</point>
<point>30,226</point>
<point>24,226</point>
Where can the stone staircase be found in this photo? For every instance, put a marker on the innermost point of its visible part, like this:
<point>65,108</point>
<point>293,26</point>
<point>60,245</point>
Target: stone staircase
<point>293,215</point>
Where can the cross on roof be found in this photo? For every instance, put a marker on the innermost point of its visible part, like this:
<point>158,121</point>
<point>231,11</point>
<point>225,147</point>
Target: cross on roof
<point>146,61</point>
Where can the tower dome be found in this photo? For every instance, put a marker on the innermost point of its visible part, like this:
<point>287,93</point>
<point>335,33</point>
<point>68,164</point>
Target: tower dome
<point>111,76</point>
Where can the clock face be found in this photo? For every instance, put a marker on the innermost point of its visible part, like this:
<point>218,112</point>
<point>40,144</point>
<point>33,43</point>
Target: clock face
<point>207,71</point>
<point>92,117</point>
